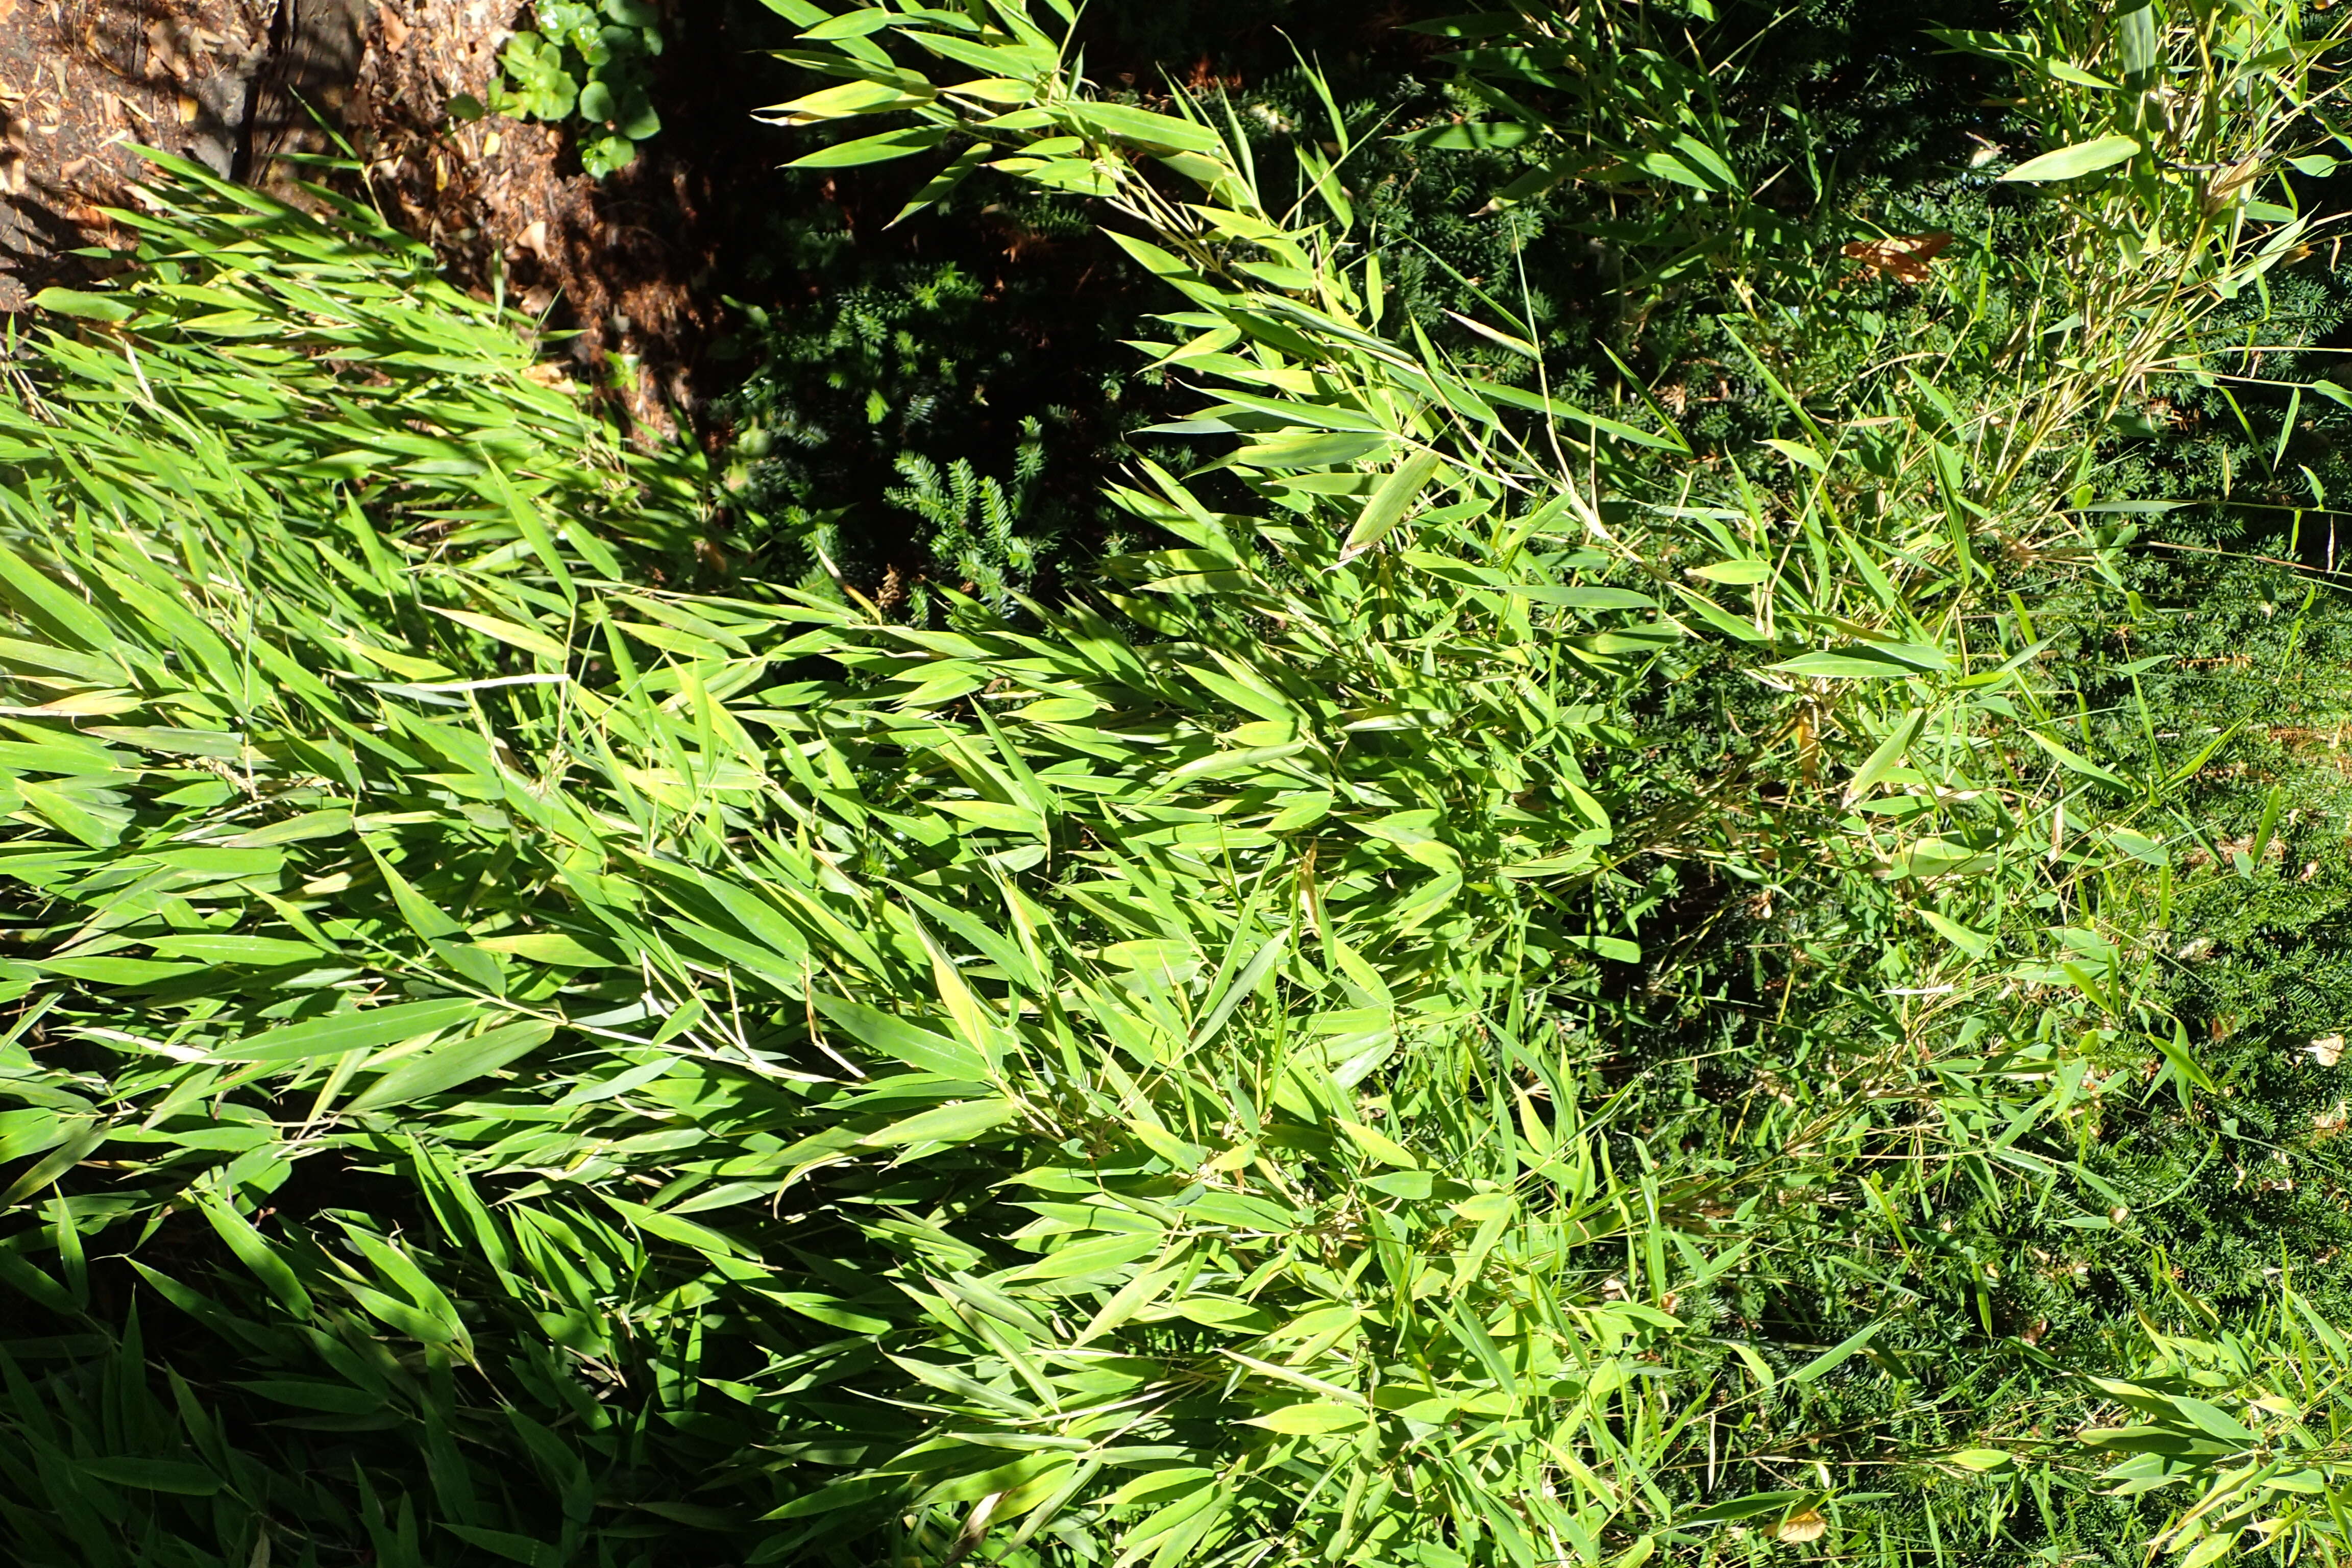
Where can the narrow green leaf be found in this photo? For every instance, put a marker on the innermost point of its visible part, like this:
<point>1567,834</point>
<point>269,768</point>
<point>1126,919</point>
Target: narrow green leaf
<point>2072,163</point>
<point>918,1047</point>
<point>155,1476</point>
<point>531,639</point>
<point>1830,1360</point>
<point>257,1253</point>
<point>1886,756</point>
<point>1387,507</point>
<point>1314,1418</point>
<point>361,1029</point>
<point>1379,1145</point>
<point>957,1123</point>
<point>881,149</point>
<point>454,1062</point>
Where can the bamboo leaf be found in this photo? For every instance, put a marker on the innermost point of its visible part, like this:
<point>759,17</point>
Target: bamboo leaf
<point>1387,507</point>
<point>2074,163</point>
<point>957,1123</point>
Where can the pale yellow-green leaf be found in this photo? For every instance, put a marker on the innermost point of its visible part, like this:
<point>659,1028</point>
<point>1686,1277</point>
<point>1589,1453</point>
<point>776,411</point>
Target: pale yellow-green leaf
<point>1379,1145</point>
<point>551,947</point>
<point>1313,1418</point>
<point>2072,163</point>
<point>531,639</point>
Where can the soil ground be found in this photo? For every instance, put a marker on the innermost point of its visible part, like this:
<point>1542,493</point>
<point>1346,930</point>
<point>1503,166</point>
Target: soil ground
<point>624,266</point>
<point>81,81</point>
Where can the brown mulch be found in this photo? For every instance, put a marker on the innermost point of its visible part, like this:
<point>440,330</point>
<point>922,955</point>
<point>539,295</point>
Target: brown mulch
<point>243,85</point>
<point>80,82</point>
<point>505,204</point>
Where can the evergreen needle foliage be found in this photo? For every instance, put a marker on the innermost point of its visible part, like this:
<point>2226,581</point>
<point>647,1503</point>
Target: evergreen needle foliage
<point>1522,992</point>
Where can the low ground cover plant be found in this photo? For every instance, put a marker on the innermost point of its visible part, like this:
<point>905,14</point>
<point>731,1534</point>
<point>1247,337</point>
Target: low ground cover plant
<point>588,65</point>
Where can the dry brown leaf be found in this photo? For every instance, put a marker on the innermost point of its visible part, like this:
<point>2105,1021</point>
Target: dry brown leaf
<point>163,42</point>
<point>189,108</point>
<point>1906,258</point>
<point>2327,1050</point>
<point>7,9</point>
<point>2231,181</point>
<point>1805,1524</point>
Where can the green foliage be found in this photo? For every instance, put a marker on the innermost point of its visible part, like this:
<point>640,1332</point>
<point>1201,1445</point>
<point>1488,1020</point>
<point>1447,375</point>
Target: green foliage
<point>938,334</point>
<point>1518,986</point>
<point>904,369</point>
<point>590,61</point>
